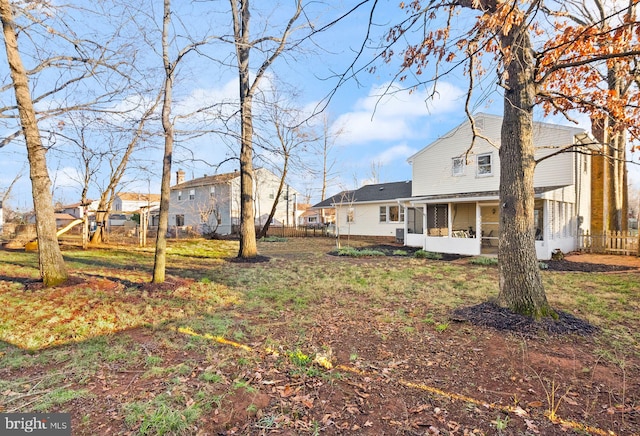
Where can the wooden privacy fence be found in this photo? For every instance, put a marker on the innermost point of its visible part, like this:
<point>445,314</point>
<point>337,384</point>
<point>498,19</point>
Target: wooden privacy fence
<point>298,232</point>
<point>609,243</point>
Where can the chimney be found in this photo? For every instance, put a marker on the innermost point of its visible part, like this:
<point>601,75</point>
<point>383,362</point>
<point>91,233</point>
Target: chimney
<point>179,177</point>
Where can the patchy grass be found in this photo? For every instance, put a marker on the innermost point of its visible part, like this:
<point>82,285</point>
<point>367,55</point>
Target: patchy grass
<point>235,347</point>
<point>97,302</point>
<point>273,239</point>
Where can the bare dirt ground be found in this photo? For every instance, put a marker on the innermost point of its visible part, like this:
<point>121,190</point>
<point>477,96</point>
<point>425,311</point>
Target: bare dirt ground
<point>463,379</point>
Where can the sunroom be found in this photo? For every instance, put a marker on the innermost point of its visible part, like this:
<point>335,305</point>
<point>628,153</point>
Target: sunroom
<point>469,223</point>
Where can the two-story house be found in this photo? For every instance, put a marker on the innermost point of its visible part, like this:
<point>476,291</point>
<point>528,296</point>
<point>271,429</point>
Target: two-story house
<point>454,204</point>
<point>212,203</point>
<point>451,204</point>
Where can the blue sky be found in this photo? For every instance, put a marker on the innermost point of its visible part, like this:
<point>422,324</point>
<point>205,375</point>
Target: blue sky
<point>378,129</point>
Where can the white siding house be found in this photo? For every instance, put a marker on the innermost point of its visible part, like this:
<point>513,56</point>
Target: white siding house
<point>453,207</point>
<point>212,203</point>
<point>372,210</point>
<point>133,201</point>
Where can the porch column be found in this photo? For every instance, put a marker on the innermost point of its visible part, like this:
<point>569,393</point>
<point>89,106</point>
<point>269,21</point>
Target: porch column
<point>425,231</point>
<point>478,226</point>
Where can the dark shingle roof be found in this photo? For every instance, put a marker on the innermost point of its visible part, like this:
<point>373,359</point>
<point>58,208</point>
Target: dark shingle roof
<point>377,192</point>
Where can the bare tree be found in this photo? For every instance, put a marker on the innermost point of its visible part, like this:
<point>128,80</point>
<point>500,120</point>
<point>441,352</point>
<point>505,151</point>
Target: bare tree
<point>291,137</point>
<point>52,268</point>
<point>118,165</point>
<point>327,143</point>
<point>169,67</point>
<point>241,13</point>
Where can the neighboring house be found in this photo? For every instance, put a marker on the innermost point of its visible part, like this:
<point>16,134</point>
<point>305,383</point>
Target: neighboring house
<point>78,209</point>
<point>454,204</point>
<point>212,203</point>
<point>133,201</point>
<point>372,210</point>
<point>317,217</point>
<point>309,217</point>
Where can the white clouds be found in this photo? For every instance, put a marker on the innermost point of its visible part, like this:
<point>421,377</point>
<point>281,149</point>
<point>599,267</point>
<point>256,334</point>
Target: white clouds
<point>398,152</point>
<point>391,114</point>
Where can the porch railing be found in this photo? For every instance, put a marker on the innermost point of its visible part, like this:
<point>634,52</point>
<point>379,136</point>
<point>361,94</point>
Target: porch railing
<point>624,243</point>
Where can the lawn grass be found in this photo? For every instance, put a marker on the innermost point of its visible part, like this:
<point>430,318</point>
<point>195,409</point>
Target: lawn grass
<point>76,329</point>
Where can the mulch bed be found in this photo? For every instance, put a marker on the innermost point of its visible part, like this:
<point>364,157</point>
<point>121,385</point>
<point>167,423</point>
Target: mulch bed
<point>489,314</point>
<point>567,265</point>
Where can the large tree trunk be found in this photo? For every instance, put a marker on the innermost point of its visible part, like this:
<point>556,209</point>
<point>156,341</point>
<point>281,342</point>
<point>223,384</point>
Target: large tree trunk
<point>52,268</point>
<point>248,245</point>
<point>521,288</point>
<point>159,266</point>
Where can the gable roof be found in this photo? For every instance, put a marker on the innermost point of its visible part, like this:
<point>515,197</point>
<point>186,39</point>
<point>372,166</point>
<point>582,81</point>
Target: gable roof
<point>481,117</point>
<point>217,179</point>
<point>370,193</point>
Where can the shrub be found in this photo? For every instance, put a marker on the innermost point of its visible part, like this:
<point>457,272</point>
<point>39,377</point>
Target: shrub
<point>421,254</point>
<point>482,260</point>
<point>352,252</point>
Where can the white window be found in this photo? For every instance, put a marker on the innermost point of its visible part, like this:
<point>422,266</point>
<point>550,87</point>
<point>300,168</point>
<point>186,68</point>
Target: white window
<point>383,214</point>
<point>391,214</point>
<point>312,219</point>
<point>212,191</point>
<point>179,195</point>
<point>192,194</point>
<point>485,164</point>
<point>457,166</point>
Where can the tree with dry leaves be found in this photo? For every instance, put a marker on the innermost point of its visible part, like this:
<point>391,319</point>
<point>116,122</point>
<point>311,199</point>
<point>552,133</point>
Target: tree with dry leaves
<point>609,174</point>
<point>541,58</point>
